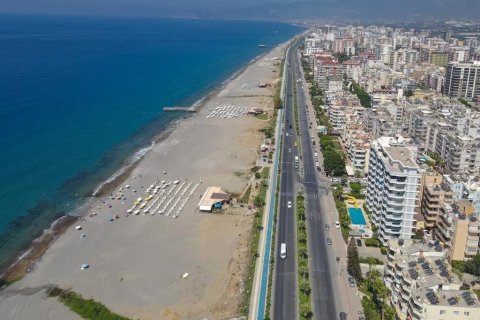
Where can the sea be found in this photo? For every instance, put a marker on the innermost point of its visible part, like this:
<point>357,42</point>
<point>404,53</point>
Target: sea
<point>81,97</point>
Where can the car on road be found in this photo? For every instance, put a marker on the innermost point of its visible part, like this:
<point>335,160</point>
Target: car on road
<point>359,243</point>
<point>289,150</point>
<point>329,241</point>
<point>337,224</point>
<point>327,227</point>
<point>283,250</point>
<point>289,204</point>
<point>351,281</point>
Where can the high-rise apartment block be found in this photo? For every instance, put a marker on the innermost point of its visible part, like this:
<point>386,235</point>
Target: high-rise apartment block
<point>462,80</point>
<point>393,179</point>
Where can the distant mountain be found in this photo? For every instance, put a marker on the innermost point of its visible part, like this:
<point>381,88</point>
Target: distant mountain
<point>356,10</point>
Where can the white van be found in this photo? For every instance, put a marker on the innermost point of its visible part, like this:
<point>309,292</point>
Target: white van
<point>283,251</point>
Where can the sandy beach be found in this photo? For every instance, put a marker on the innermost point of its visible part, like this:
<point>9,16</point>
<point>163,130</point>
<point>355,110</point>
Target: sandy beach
<point>136,261</point>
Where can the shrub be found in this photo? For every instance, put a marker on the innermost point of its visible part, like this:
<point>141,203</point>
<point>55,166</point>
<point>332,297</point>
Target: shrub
<point>372,242</point>
<point>86,308</point>
<point>371,260</point>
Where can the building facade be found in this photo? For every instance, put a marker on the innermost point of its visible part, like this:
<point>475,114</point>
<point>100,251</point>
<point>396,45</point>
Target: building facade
<point>392,192</point>
<point>462,80</point>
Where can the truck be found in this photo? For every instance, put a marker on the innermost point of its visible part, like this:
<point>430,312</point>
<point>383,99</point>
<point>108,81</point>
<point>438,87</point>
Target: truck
<point>283,250</point>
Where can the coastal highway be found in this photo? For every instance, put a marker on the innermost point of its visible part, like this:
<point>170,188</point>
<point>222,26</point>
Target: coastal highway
<point>322,272</point>
<point>285,301</point>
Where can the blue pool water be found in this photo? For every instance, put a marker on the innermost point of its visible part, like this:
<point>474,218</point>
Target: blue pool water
<point>80,95</point>
<point>356,216</point>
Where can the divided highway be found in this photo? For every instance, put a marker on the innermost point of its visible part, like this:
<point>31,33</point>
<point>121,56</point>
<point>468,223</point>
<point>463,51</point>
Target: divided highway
<point>285,301</point>
<point>321,273</point>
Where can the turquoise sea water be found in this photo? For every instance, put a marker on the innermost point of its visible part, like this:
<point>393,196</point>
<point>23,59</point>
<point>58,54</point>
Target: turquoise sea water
<point>79,95</point>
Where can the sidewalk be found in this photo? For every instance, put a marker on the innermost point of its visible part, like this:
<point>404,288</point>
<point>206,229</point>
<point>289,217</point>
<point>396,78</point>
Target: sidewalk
<point>262,270</point>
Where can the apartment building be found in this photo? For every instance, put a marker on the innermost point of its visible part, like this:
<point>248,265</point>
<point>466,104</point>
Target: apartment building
<point>458,229</point>
<point>461,154</point>
<point>381,123</point>
<point>422,285</point>
<point>462,80</point>
<point>325,66</point>
<point>439,59</point>
<point>357,143</point>
<point>434,193</point>
<point>336,115</point>
<point>392,192</point>
<point>465,188</point>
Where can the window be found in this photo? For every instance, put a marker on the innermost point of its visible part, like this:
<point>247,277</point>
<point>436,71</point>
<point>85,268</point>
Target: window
<point>456,313</point>
<point>466,313</point>
<point>442,311</point>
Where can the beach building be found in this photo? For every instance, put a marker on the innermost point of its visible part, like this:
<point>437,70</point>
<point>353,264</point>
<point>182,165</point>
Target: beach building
<point>213,198</point>
<point>392,192</point>
<point>422,285</point>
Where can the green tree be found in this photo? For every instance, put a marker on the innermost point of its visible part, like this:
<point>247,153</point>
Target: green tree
<point>342,57</point>
<point>302,237</point>
<point>473,266</point>
<point>409,93</point>
<point>353,261</point>
<point>304,271</point>
<point>370,309</point>
<point>334,163</point>
<point>306,310</point>
<point>259,201</point>
<point>302,252</point>
<point>356,187</point>
<point>305,287</point>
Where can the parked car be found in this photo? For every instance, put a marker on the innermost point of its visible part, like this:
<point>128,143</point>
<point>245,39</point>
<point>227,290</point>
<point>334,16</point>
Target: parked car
<point>337,224</point>
<point>329,241</point>
<point>359,243</point>
<point>327,227</point>
<point>351,281</point>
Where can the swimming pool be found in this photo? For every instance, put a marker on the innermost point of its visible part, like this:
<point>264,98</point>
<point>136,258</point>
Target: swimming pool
<point>356,216</point>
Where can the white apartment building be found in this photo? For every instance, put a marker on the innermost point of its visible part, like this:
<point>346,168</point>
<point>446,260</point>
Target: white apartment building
<point>336,115</point>
<point>422,285</point>
<point>393,180</point>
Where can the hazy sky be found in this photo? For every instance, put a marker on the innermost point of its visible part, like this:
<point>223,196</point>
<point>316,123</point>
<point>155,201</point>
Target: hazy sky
<point>255,9</point>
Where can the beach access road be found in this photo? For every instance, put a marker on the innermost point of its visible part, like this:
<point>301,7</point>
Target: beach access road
<point>137,263</point>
